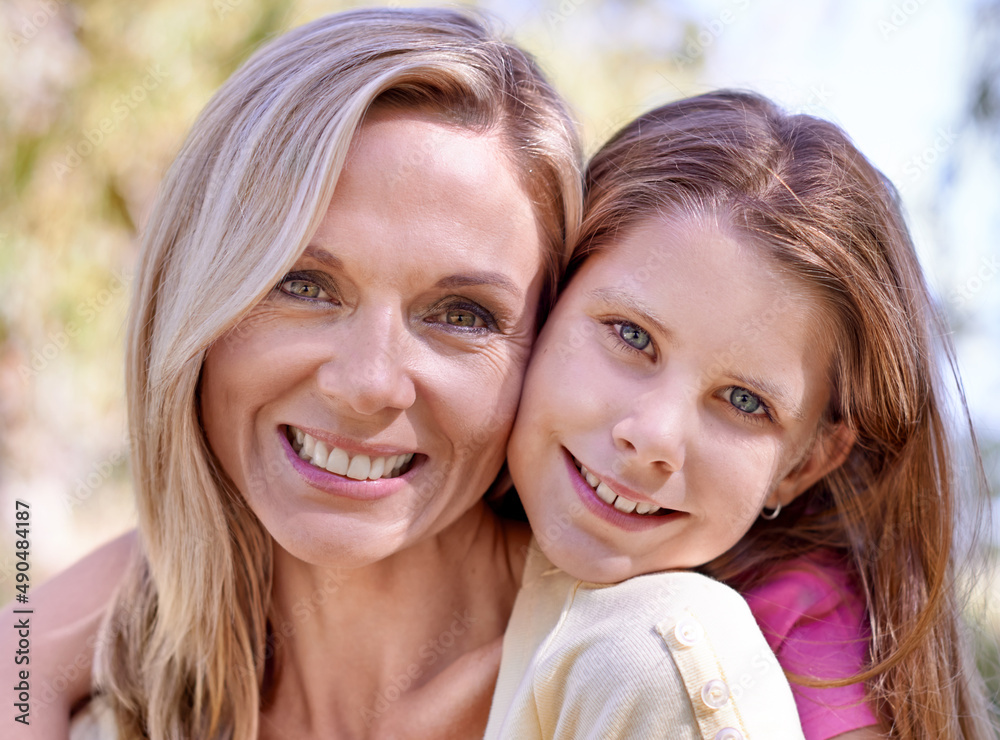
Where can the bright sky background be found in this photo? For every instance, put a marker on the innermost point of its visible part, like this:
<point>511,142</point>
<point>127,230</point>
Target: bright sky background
<point>895,74</point>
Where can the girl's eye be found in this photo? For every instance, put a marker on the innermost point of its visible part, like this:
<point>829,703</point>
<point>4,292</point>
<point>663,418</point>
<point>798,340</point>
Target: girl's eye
<point>306,289</point>
<point>746,401</point>
<point>634,336</point>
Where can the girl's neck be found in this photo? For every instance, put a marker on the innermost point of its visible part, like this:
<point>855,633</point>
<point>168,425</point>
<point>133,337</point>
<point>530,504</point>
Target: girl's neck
<point>355,648</point>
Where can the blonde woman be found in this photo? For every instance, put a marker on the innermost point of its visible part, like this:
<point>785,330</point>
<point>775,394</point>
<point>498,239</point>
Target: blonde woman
<point>337,295</point>
<point>352,250</point>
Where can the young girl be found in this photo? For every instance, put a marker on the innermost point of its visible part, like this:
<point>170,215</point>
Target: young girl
<point>739,378</point>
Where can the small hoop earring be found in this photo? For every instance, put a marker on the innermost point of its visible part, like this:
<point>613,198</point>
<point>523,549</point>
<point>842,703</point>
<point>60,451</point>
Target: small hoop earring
<point>772,514</point>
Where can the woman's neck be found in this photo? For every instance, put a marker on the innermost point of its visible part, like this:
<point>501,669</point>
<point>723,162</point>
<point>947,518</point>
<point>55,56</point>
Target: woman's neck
<point>355,649</point>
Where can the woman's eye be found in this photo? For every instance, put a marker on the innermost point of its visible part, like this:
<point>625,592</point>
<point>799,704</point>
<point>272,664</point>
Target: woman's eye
<point>463,317</point>
<point>746,401</point>
<point>634,336</point>
<point>304,289</point>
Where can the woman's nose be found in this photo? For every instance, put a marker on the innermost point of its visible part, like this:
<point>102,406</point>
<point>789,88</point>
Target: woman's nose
<point>653,430</point>
<point>370,364</point>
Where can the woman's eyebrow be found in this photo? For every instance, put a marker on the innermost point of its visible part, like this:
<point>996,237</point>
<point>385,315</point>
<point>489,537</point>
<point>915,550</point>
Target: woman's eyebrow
<point>486,277</point>
<point>634,305</point>
<point>321,255</point>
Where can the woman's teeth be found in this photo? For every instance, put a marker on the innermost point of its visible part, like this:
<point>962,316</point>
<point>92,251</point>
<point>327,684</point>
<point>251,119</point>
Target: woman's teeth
<point>336,460</point>
<point>621,503</point>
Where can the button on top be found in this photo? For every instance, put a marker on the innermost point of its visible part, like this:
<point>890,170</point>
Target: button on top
<point>715,694</point>
<point>688,632</point>
<point>728,733</point>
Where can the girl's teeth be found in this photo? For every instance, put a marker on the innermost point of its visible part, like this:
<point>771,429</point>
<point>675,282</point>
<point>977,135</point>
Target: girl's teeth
<point>336,460</point>
<point>608,496</point>
<point>624,505</point>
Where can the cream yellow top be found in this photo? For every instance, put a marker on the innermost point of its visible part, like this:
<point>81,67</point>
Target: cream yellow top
<point>666,655</point>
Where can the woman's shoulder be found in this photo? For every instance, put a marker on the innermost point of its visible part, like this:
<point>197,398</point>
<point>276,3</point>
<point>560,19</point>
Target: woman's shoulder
<point>67,612</point>
<point>96,721</point>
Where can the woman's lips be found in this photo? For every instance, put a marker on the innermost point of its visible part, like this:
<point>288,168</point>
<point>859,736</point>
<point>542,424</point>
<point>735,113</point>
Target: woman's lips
<point>624,515</point>
<point>338,460</point>
<point>361,478</point>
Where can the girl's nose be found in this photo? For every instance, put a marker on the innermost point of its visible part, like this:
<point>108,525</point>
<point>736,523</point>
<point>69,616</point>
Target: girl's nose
<point>652,431</point>
<point>370,367</point>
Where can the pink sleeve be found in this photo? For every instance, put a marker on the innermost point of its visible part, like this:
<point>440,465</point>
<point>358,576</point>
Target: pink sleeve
<point>814,620</point>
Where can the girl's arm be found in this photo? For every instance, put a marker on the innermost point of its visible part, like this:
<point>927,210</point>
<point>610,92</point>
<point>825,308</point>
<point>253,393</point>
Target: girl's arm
<point>62,628</point>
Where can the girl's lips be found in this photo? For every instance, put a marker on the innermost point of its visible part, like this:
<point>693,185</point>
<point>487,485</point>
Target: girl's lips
<point>339,485</point>
<point>594,504</point>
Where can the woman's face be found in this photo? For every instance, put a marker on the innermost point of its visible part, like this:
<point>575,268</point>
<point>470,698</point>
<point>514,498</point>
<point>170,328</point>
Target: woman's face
<point>675,390</point>
<point>365,404</point>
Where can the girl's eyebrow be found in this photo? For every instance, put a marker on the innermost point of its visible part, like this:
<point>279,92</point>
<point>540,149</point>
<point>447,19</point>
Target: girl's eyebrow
<point>634,305</point>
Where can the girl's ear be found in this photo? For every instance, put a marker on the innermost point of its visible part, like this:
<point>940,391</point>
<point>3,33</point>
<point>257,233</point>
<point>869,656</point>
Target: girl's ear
<point>831,447</point>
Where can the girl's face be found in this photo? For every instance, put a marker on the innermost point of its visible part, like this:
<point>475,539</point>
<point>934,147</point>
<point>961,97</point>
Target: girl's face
<point>675,390</point>
<point>365,405</point>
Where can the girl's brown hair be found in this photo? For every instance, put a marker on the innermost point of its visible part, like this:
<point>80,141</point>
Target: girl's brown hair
<point>185,650</point>
<point>798,188</point>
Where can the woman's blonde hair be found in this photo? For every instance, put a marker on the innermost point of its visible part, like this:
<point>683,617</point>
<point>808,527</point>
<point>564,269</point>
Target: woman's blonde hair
<point>184,651</point>
<point>795,186</point>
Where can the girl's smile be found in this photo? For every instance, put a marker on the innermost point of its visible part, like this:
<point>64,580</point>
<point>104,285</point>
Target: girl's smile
<point>677,388</point>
